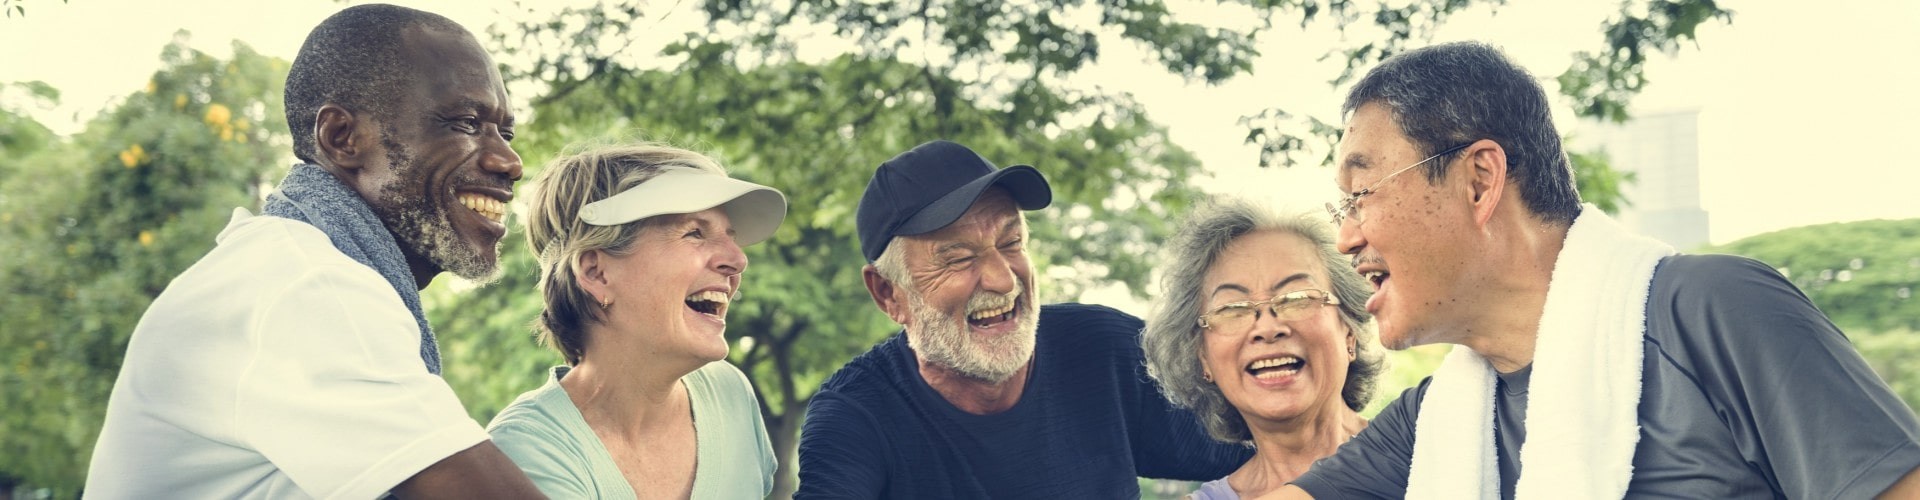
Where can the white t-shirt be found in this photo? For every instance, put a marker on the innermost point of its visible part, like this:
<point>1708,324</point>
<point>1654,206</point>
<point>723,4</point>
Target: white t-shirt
<point>275,367</point>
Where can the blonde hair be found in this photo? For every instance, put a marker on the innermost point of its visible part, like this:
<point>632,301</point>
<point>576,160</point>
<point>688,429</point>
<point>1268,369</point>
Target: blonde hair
<point>559,238</point>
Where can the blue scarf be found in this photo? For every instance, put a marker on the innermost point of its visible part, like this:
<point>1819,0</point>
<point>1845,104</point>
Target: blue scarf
<point>313,196</point>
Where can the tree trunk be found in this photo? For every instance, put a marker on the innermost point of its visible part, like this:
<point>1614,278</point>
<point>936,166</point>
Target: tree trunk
<point>785,434</point>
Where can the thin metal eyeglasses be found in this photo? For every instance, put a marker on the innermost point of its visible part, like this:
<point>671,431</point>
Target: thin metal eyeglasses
<point>1349,207</point>
<point>1236,317</point>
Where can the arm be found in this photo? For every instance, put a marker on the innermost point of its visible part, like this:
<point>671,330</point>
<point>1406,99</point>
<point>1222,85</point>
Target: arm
<point>1288,492</point>
<point>1782,376</point>
<point>478,472</point>
<point>1906,487</point>
<point>840,456</point>
<point>337,398</point>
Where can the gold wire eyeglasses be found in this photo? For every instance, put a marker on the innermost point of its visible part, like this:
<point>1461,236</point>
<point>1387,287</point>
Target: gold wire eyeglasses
<point>1236,317</point>
<point>1349,207</point>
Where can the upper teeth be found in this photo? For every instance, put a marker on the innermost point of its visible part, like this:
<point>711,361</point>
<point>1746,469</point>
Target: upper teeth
<point>709,296</point>
<point>489,207</point>
<point>1374,274</point>
<point>1273,362</point>
<point>988,313</point>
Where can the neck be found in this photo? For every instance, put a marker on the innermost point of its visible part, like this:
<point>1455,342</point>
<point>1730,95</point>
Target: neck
<point>423,269</point>
<point>1525,255</point>
<point>972,395</point>
<point>1284,450</point>
<point>627,390</point>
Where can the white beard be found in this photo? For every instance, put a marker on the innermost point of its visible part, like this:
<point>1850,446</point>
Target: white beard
<point>948,342</point>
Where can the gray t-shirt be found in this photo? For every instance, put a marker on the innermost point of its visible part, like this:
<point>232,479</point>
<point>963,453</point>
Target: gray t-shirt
<point>1747,391</point>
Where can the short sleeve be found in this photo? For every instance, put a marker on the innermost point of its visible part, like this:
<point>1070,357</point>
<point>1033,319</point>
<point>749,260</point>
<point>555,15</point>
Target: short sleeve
<point>336,395</point>
<point>840,456</point>
<point>1804,407</point>
<point>768,465</point>
<point>536,450</point>
<point>1375,463</point>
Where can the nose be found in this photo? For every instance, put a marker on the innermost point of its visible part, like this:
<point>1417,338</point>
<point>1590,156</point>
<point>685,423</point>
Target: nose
<point>1348,238</point>
<point>996,273</point>
<point>497,156</point>
<point>730,260</point>
<point>1268,327</point>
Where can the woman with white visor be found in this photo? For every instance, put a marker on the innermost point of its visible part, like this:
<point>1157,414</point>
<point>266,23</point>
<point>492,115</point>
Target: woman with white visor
<point>639,250</point>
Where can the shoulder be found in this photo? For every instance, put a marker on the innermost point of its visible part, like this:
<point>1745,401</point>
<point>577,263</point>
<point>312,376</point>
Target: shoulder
<point>1720,294</point>
<point>870,372</point>
<point>1683,273</point>
<point>536,412</point>
<point>722,387</point>
<point>266,257</point>
<point>722,378</point>
<point>1090,323</point>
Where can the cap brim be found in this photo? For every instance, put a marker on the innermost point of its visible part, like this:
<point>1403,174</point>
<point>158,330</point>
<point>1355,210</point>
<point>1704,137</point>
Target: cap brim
<point>755,210</point>
<point>1029,189</point>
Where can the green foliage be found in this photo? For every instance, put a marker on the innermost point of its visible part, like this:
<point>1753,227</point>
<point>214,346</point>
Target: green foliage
<point>1891,353</point>
<point>97,226</point>
<point>1598,183</point>
<point>816,131</point>
<point>1600,83</point>
<point>1864,275</point>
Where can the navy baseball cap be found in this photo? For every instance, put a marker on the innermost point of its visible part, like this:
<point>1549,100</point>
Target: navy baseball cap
<point>932,185</point>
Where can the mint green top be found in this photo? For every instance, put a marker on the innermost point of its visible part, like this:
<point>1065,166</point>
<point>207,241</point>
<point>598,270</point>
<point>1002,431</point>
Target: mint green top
<point>546,436</point>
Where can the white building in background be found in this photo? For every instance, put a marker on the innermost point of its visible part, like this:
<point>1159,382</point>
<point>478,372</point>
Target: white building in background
<point>1663,151</point>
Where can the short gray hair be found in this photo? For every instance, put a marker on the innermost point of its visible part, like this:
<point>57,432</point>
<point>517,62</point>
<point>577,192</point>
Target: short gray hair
<point>1172,339</point>
<point>1461,92</point>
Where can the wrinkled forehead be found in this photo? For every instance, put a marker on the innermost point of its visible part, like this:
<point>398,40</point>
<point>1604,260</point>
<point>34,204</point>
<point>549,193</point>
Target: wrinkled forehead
<point>1369,144</point>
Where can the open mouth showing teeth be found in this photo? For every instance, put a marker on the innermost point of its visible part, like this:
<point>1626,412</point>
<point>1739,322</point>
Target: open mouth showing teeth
<point>711,303</point>
<point>490,208</point>
<point>989,317</point>
<point>1376,277</point>
<point>1275,367</point>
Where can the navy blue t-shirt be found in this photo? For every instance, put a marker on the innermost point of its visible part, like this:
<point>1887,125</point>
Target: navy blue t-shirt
<point>1088,423</point>
<point>1747,391</point>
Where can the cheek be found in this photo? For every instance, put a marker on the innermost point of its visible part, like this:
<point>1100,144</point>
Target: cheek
<point>1217,354</point>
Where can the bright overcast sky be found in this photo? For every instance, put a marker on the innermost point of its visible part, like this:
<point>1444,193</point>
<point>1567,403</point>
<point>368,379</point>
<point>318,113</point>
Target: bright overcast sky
<point>1805,108</point>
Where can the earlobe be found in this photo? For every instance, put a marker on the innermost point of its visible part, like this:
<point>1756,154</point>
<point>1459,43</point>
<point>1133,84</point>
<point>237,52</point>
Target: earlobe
<point>337,138</point>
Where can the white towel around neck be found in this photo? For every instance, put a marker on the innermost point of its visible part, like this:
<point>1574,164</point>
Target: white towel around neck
<point>1584,396</point>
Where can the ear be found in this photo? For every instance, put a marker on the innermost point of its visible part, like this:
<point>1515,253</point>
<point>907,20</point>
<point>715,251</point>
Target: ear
<point>339,140</point>
<point>592,277</point>
<point>1487,165</point>
<point>887,295</point>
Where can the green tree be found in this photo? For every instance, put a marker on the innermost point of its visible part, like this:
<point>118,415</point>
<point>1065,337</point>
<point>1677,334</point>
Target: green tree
<point>816,131</point>
<point>1864,275</point>
<point>97,226</point>
<point>986,73</point>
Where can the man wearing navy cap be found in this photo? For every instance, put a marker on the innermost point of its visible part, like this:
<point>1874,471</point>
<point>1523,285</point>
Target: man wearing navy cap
<point>984,393</point>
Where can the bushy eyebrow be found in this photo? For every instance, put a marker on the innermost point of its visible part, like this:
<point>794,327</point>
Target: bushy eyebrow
<point>1356,161</point>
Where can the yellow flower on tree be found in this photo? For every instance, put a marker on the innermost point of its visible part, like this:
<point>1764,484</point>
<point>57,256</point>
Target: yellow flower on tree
<point>146,238</point>
<point>218,115</point>
<point>132,157</point>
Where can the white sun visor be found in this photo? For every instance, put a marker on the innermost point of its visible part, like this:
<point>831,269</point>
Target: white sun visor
<point>756,210</point>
